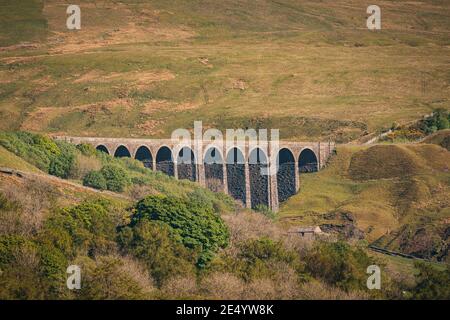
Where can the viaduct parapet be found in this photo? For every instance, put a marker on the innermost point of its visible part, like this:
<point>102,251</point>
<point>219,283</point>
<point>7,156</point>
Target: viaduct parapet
<point>234,170</point>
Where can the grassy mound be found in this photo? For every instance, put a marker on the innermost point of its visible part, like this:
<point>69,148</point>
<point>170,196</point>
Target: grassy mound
<point>396,161</point>
<point>441,138</point>
<point>381,162</point>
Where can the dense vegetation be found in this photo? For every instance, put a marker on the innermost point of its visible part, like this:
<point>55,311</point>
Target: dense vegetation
<point>191,221</point>
<point>184,244</point>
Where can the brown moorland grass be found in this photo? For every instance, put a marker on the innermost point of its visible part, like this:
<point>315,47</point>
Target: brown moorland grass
<point>311,69</point>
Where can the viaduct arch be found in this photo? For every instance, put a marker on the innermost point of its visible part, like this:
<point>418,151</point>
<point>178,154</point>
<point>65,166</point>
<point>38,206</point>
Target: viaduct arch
<point>214,169</point>
<point>236,171</point>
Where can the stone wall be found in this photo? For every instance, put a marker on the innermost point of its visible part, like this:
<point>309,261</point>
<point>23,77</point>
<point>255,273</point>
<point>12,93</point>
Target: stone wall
<point>236,181</point>
<point>214,177</point>
<point>259,186</point>
<point>166,167</point>
<point>186,171</point>
<point>286,181</point>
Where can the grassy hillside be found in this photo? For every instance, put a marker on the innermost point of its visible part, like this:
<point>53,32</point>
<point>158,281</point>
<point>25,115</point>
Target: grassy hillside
<point>181,242</point>
<point>310,68</point>
<point>441,138</point>
<point>10,160</point>
<point>396,194</point>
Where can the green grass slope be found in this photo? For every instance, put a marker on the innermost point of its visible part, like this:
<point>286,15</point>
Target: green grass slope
<point>396,195</point>
<point>144,68</point>
<point>10,160</point>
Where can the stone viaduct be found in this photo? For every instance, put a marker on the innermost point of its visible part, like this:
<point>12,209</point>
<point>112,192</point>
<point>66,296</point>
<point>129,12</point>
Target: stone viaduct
<point>225,169</point>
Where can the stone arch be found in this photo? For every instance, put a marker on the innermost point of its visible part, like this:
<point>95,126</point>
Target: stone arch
<point>144,155</point>
<point>186,166</point>
<point>285,174</point>
<point>213,164</point>
<point>102,148</point>
<point>164,161</point>
<point>236,174</point>
<point>122,152</point>
<point>307,161</point>
<point>259,180</point>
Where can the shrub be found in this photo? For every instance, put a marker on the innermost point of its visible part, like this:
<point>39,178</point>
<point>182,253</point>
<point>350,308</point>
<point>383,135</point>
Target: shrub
<point>95,179</point>
<point>20,277</point>
<point>36,149</point>
<point>87,228</point>
<point>151,243</point>
<point>191,222</point>
<point>180,287</point>
<point>258,257</point>
<point>222,285</point>
<point>439,120</point>
<point>86,149</point>
<point>116,178</point>
<point>113,277</point>
<point>431,283</point>
<point>443,123</point>
<point>339,264</point>
<point>63,164</point>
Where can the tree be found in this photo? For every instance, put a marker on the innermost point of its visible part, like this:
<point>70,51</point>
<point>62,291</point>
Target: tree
<point>151,243</point>
<point>197,226</point>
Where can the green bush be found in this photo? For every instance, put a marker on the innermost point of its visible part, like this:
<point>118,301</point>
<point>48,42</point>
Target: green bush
<point>151,242</point>
<point>194,224</point>
<point>339,264</point>
<point>95,179</point>
<point>443,123</point>
<point>257,258</point>
<point>87,149</point>
<point>438,121</point>
<point>116,177</point>
<point>56,158</point>
<point>62,165</point>
<point>36,149</point>
<point>86,228</point>
<point>431,283</point>
<point>19,270</point>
